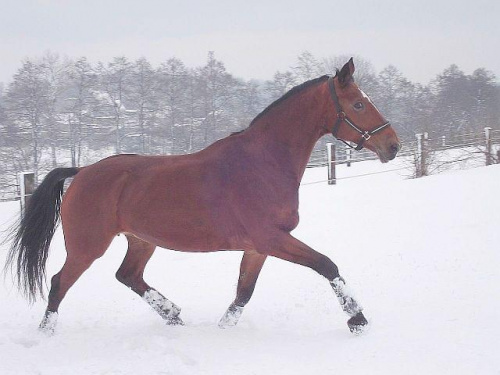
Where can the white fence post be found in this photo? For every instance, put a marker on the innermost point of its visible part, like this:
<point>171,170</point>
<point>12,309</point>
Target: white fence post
<point>420,162</point>
<point>349,157</point>
<point>27,187</point>
<point>487,135</point>
<point>330,151</point>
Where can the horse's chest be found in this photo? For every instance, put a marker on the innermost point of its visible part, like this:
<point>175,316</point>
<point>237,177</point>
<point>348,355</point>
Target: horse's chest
<point>274,207</point>
<point>287,219</point>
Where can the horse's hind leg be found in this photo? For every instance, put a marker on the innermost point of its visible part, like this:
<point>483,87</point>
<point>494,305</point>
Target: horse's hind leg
<point>131,273</point>
<point>78,260</point>
<point>251,264</point>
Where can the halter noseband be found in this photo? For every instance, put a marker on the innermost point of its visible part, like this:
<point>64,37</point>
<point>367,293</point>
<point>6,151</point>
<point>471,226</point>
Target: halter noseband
<point>342,117</point>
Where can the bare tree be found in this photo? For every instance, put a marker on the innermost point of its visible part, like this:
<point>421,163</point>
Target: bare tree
<point>306,67</point>
<point>26,107</point>
<point>55,74</point>
<point>217,89</point>
<point>280,84</point>
<point>79,106</point>
<point>250,102</point>
<point>143,99</point>
<point>114,81</point>
<point>173,91</point>
<point>365,75</point>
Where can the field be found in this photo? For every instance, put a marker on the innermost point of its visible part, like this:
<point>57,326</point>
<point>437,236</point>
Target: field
<point>421,255</point>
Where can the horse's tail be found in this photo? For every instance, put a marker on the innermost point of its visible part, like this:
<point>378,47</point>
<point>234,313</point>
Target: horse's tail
<point>32,234</point>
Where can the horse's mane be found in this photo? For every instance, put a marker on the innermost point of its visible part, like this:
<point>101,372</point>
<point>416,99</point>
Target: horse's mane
<point>290,93</point>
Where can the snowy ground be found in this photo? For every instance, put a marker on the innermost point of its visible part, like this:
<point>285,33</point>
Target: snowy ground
<point>421,255</point>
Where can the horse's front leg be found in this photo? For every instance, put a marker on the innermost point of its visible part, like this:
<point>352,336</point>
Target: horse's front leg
<point>286,247</point>
<point>251,264</point>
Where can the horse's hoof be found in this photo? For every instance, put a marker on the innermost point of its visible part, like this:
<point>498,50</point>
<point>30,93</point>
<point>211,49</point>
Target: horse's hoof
<point>358,324</point>
<point>174,321</point>
<point>231,317</point>
<point>48,324</point>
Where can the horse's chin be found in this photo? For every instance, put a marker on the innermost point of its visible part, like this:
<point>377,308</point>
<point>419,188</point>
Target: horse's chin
<point>383,159</point>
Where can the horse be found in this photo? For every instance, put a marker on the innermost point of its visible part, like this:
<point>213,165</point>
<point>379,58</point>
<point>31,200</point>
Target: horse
<point>240,193</point>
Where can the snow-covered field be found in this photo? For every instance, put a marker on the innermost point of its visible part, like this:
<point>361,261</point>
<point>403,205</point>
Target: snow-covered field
<point>421,255</point>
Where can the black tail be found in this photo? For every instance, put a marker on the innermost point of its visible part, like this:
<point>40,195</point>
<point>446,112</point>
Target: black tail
<point>32,234</point>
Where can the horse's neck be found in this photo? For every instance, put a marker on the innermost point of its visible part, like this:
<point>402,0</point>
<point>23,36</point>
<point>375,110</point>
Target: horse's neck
<point>289,132</point>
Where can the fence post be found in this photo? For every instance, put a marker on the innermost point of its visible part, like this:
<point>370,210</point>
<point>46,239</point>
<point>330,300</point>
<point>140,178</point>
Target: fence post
<point>330,151</point>
<point>487,135</point>
<point>27,187</point>
<point>420,162</point>
<point>349,157</point>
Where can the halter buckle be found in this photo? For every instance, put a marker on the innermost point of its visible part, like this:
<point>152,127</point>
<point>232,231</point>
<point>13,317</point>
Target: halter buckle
<point>366,136</point>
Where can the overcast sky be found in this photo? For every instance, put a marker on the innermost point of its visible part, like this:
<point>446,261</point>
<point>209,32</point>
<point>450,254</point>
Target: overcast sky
<point>255,38</point>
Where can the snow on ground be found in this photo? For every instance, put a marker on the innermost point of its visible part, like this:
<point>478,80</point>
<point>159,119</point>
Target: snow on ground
<point>421,255</point>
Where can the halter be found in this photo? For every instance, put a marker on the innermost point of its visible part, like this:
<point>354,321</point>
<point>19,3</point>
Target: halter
<point>342,117</point>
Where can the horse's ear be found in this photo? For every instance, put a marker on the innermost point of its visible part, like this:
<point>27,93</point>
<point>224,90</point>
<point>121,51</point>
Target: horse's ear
<point>345,74</point>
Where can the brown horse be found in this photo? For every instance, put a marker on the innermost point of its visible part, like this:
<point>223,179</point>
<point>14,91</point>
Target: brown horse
<point>240,193</point>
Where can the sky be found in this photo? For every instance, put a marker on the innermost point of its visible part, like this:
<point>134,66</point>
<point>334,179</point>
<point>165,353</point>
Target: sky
<point>256,38</point>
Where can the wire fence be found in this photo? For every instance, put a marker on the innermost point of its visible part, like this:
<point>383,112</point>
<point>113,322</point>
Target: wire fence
<point>441,153</point>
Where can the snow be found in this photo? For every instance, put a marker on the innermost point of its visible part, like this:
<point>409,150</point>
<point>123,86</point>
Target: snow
<point>420,255</point>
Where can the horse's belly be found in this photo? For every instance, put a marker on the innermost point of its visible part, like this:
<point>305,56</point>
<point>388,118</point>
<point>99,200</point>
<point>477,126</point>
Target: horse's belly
<point>181,228</point>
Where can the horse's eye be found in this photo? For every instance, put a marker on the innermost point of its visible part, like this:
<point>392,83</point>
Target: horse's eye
<point>358,106</point>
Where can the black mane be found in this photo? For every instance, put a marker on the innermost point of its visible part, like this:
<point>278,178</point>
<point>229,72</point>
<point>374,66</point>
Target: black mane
<point>290,93</point>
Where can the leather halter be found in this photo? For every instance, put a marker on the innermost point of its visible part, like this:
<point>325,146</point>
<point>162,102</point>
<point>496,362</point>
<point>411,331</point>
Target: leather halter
<point>342,117</point>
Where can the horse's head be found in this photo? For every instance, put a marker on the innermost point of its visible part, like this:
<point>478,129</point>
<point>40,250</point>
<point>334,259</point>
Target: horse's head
<point>357,118</point>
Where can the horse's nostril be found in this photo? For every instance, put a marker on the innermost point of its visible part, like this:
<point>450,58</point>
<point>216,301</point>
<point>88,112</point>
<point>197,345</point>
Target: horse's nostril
<point>395,148</point>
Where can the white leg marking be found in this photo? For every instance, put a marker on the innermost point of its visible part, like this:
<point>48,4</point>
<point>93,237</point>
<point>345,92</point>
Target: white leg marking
<point>163,306</point>
<point>49,322</point>
<point>231,317</point>
<point>350,306</point>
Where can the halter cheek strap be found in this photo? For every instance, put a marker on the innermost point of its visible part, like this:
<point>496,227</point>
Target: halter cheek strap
<point>342,117</point>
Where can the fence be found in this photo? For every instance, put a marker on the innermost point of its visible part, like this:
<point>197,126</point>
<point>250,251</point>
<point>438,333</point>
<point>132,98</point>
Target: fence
<point>423,156</point>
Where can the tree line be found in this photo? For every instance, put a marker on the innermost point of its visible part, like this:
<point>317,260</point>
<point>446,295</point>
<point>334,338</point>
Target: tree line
<point>72,112</point>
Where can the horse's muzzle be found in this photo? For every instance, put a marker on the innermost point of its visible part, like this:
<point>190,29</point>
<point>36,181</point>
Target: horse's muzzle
<point>394,149</point>
<point>389,152</point>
